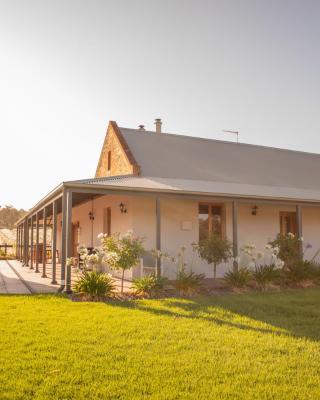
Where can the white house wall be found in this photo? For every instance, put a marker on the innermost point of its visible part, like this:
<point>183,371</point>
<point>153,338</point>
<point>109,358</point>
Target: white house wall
<point>179,226</point>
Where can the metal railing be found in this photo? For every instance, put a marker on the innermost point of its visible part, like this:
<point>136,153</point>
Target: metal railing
<point>6,247</point>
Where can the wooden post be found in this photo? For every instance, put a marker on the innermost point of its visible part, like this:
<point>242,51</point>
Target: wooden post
<point>44,245</point>
<point>31,248</point>
<point>54,241</point>
<point>17,246</point>
<point>299,229</point>
<point>235,235</point>
<point>27,242</point>
<point>23,244</point>
<point>17,242</point>
<point>37,242</point>
<point>69,240</point>
<point>158,234</point>
<point>20,242</point>
<point>63,239</point>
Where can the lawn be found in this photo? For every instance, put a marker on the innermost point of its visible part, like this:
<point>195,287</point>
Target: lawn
<point>253,346</point>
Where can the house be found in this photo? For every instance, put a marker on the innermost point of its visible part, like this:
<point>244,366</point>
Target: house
<point>174,190</point>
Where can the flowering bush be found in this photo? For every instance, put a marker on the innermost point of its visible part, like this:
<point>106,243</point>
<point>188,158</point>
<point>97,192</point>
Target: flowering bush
<point>289,247</point>
<point>253,258</point>
<point>122,252</point>
<point>94,260</point>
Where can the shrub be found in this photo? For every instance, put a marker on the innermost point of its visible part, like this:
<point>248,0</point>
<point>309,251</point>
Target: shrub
<point>299,271</point>
<point>315,270</point>
<point>265,274</point>
<point>238,279</point>
<point>288,248</point>
<point>214,250</point>
<point>95,285</point>
<point>149,285</point>
<point>188,283</point>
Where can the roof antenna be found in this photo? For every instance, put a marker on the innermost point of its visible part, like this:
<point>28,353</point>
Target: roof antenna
<point>233,132</point>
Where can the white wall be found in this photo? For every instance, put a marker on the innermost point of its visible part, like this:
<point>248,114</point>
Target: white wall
<point>141,218</point>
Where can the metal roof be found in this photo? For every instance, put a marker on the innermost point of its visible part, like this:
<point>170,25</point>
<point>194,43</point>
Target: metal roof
<point>184,157</point>
<point>201,187</point>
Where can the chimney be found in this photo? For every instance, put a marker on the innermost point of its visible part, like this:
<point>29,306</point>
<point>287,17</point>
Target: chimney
<point>141,128</point>
<point>158,124</point>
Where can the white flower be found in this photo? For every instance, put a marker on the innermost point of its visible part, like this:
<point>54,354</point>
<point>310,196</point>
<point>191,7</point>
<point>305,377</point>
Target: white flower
<point>279,263</point>
<point>100,236</point>
<point>268,247</point>
<point>276,250</point>
<point>301,239</point>
<point>291,235</point>
<point>111,258</point>
<point>129,233</point>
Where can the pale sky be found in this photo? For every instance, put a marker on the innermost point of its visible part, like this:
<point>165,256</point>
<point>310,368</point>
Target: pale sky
<point>69,66</point>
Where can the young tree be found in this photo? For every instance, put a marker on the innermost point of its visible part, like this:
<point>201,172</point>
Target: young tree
<point>124,252</point>
<point>214,250</point>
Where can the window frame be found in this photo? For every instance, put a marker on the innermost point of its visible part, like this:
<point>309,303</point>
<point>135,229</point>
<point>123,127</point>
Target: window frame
<point>223,217</point>
<point>293,216</point>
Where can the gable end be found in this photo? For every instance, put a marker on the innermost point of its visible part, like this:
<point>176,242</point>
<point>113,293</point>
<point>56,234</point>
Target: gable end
<point>116,157</point>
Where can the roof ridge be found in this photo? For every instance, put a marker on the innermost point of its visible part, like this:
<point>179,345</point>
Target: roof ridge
<point>196,138</point>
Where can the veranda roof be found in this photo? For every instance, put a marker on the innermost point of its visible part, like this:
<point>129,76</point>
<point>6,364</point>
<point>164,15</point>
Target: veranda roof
<point>201,187</point>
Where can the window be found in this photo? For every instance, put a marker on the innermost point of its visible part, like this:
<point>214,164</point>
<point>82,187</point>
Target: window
<point>211,220</point>
<point>109,160</point>
<point>288,222</point>
<point>107,221</point>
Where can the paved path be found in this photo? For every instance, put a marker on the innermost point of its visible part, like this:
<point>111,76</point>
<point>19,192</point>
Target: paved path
<point>34,281</point>
<point>10,282</point>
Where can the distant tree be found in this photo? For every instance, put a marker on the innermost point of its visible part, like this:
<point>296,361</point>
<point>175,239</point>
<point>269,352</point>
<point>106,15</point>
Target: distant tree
<point>9,216</point>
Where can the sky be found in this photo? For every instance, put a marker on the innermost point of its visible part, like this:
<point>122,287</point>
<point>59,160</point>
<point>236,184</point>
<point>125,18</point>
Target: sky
<point>67,67</point>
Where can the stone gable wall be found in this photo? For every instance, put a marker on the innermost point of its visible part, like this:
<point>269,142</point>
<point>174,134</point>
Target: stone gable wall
<point>120,165</point>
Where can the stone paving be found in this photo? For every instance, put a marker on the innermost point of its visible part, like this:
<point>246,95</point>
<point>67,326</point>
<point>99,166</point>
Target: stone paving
<point>34,281</point>
<point>14,278</point>
<point>10,282</point>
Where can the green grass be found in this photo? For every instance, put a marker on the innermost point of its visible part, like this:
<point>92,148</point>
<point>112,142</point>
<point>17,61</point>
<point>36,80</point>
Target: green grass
<point>253,346</point>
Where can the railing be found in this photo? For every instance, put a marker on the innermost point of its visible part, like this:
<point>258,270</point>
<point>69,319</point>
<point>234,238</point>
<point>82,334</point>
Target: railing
<point>6,247</point>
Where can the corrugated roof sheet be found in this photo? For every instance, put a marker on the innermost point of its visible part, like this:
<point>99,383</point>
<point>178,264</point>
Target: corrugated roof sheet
<point>189,186</point>
<point>183,157</point>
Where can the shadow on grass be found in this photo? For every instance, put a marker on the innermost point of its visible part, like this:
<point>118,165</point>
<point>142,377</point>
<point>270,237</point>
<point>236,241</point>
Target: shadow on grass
<point>293,313</point>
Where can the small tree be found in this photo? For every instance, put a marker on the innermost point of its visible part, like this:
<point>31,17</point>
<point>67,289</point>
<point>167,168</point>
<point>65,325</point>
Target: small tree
<point>214,250</point>
<point>124,251</point>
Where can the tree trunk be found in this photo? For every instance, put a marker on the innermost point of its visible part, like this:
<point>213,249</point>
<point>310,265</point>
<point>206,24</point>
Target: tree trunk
<point>214,271</point>
<point>122,281</point>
